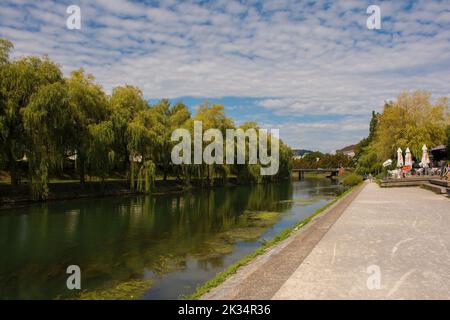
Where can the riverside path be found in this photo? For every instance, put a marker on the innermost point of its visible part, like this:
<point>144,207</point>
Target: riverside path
<point>376,243</point>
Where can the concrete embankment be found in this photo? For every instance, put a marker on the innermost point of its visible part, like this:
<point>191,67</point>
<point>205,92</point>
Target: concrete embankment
<point>377,243</point>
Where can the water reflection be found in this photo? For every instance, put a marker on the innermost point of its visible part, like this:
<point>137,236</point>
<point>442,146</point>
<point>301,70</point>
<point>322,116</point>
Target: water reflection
<point>155,247</point>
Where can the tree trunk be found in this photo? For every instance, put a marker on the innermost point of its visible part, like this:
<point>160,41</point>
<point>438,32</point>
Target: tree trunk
<point>13,168</point>
<point>127,164</point>
<point>13,172</point>
<point>165,173</point>
<point>81,168</point>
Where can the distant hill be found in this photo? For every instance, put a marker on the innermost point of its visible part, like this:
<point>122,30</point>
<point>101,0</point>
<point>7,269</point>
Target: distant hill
<point>300,152</point>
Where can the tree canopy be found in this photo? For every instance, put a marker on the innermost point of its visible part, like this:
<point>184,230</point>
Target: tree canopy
<point>410,121</point>
<point>51,125</point>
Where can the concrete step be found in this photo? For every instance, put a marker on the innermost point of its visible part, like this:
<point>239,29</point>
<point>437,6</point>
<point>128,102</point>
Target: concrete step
<point>413,181</point>
<point>402,183</point>
<point>442,183</point>
<point>435,188</point>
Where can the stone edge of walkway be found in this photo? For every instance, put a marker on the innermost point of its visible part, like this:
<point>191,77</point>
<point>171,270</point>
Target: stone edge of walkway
<point>261,278</point>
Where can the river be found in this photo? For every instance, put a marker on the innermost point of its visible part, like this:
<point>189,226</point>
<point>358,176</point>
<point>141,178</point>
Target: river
<point>149,247</point>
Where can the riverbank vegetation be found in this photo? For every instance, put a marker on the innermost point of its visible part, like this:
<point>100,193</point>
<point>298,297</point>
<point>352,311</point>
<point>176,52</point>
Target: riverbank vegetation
<point>411,120</point>
<point>317,159</point>
<point>52,126</point>
<point>351,180</point>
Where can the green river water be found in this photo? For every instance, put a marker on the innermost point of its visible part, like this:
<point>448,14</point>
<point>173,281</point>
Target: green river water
<point>147,247</point>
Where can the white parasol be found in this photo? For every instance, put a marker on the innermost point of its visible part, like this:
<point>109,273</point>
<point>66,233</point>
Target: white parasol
<point>399,158</point>
<point>425,158</point>
<point>408,157</point>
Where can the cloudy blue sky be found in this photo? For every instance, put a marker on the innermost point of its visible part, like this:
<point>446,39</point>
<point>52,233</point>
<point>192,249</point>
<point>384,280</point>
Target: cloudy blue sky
<point>310,68</point>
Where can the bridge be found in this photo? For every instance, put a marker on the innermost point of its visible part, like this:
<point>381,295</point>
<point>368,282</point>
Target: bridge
<point>301,172</point>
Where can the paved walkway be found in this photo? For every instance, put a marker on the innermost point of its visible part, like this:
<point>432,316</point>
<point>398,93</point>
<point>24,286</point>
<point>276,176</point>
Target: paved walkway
<point>402,232</point>
<point>390,243</point>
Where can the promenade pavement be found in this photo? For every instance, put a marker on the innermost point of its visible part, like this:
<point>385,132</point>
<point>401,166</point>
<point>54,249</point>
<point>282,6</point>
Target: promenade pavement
<point>376,243</point>
<point>390,243</point>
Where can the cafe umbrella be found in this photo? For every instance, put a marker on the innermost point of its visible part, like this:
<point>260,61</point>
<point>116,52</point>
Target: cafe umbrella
<point>399,158</point>
<point>425,158</point>
<point>408,158</point>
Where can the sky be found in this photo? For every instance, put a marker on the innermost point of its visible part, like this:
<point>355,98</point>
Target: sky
<point>311,69</point>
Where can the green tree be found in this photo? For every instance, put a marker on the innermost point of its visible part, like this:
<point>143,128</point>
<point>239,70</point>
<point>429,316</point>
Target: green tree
<point>6,47</point>
<point>125,103</point>
<point>286,165</point>
<point>248,173</point>
<point>46,120</point>
<point>364,143</point>
<point>412,120</point>
<point>19,81</point>
<point>145,136</point>
<point>368,163</point>
<point>89,105</point>
<point>212,117</point>
<point>101,155</point>
<point>171,118</point>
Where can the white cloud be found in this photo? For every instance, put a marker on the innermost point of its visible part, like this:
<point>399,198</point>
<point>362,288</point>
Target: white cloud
<point>311,58</point>
<point>327,136</point>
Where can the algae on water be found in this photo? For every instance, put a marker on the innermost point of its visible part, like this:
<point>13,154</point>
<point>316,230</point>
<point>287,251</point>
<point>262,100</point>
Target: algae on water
<point>128,290</point>
<point>250,226</point>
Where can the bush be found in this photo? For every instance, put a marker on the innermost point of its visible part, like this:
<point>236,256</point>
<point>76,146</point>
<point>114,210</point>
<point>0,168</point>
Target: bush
<point>352,180</point>
<point>381,175</point>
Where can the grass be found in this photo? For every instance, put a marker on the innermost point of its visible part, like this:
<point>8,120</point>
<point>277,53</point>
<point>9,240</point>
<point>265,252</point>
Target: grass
<point>222,276</point>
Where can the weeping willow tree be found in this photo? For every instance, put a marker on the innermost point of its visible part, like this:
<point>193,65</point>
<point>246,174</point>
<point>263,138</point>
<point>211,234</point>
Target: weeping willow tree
<point>19,80</point>
<point>89,106</point>
<point>101,155</point>
<point>5,49</point>
<point>249,173</point>
<point>285,164</point>
<point>171,118</point>
<point>124,104</point>
<point>223,171</point>
<point>183,173</point>
<point>211,117</point>
<point>144,135</point>
<point>46,120</point>
<point>146,176</point>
